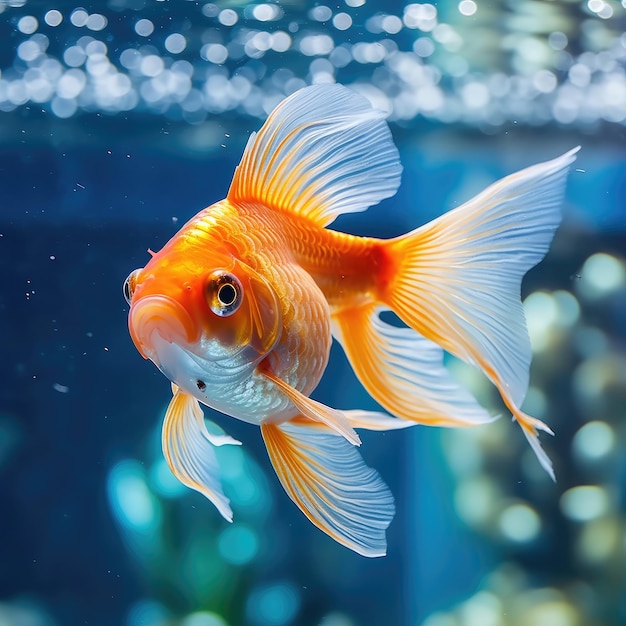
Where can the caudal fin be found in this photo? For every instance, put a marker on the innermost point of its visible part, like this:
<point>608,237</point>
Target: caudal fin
<point>456,280</point>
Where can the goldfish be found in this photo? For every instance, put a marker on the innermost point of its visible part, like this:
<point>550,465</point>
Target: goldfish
<point>240,307</point>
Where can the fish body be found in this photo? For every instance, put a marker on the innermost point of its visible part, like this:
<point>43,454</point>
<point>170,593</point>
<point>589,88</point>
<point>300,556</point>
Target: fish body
<point>240,308</point>
<point>330,271</point>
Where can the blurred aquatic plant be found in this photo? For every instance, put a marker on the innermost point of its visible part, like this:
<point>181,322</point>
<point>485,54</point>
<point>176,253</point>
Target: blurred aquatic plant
<point>24,612</point>
<point>10,438</point>
<point>190,560</point>
<point>507,599</point>
<point>196,569</point>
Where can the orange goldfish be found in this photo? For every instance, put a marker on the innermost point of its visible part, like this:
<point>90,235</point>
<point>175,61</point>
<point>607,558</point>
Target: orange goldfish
<point>240,307</point>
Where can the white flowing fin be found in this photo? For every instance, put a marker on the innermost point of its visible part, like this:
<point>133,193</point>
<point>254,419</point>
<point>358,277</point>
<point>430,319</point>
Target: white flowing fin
<point>374,420</point>
<point>188,449</point>
<point>457,280</point>
<point>364,420</point>
<point>327,479</point>
<point>403,371</point>
<point>323,151</point>
<point>316,411</point>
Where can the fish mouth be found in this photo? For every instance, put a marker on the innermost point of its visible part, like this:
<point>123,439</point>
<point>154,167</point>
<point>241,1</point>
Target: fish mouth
<point>164,332</point>
<point>162,315</point>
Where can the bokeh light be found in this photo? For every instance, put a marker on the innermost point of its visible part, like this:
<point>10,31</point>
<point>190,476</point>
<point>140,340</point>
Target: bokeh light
<point>547,81</point>
<point>519,522</point>
<point>585,503</point>
<point>131,500</point>
<point>272,605</point>
<point>238,544</point>
<point>601,275</point>
<point>593,441</point>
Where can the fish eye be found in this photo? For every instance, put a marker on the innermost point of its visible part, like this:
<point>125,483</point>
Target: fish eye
<point>129,285</point>
<point>225,293</point>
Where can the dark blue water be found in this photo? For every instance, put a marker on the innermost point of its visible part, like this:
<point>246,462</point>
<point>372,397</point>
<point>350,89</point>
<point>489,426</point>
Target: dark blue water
<point>94,531</point>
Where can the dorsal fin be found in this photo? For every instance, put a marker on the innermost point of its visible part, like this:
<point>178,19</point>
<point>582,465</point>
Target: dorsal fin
<point>323,151</point>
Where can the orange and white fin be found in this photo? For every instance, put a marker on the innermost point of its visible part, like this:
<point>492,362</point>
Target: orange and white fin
<point>188,449</point>
<point>363,420</point>
<point>530,426</point>
<point>328,480</point>
<point>313,410</point>
<point>457,280</point>
<point>375,420</point>
<point>323,151</point>
<point>403,371</point>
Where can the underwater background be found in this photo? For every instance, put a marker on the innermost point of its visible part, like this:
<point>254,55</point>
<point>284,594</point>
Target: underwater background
<point>121,119</point>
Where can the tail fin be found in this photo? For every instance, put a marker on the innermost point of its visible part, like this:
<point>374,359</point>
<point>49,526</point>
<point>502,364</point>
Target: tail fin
<point>457,279</point>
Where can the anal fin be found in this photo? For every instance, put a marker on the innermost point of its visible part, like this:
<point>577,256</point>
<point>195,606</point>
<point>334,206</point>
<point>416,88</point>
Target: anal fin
<point>403,371</point>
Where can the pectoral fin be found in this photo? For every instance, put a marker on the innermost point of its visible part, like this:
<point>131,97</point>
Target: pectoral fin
<point>188,449</point>
<point>327,479</point>
<point>375,420</point>
<point>333,418</point>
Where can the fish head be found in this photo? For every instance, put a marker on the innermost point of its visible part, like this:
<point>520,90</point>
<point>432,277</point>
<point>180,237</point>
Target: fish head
<point>203,319</point>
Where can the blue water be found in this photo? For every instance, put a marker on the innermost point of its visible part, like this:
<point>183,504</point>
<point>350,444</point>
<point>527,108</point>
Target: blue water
<point>93,528</point>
